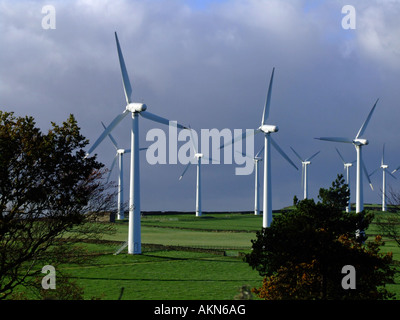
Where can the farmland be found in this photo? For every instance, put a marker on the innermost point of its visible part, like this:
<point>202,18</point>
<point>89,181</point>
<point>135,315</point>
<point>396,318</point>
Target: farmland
<point>184,258</point>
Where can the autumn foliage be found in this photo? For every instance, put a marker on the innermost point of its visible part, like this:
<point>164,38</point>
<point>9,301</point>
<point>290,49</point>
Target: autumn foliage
<point>302,253</point>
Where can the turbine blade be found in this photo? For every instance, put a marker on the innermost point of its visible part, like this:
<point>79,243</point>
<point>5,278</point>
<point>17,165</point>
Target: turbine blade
<point>125,79</point>
<point>391,175</point>
<point>283,154</point>
<point>240,137</point>
<point>308,159</point>
<point>336,139</point>
<point>259,152</point>
<point>111,137</point>
<point>396,169</point>
<point>112,167</point>
<point>298,156</point>
<point>245,155</point>
<point>184,171</point>
<point>268,99</point>
<point>155,118</point>
<point>193,144</point>
<point>372,173</point>
<point>365,124</point>
<point>367,175</point>
<point>344,162</point>
<point>383,155</point>
<point>211,160</point>
<point>111,126</point>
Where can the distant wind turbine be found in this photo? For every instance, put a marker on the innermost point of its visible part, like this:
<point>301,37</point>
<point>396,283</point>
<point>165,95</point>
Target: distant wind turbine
<point>267,130</point>
<point>256,159</point>
<point>135,109</point>
<point>304,172</point>
<point>384,171</point>
<point>119,155</point>
<point>198,156</point>
<point>358,143</point>
<point>347,166</point>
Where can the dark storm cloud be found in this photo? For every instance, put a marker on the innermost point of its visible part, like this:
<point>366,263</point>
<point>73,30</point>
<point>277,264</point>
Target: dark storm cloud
<point>209,66</point>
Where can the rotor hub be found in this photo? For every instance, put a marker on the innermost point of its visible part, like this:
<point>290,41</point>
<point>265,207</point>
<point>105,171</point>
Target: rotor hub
<point>360,142</point>
<point>136,107</point>
<point>268,128</point>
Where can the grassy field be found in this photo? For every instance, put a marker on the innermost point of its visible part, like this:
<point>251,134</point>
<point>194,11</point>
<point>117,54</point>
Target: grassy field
<point>181,271</point>
<point>176,274</point>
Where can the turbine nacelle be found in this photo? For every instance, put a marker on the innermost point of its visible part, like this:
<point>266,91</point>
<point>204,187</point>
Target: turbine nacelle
<point>306,162</point>
<point>360,142</point>
<point>136,107</point>
<point>198,155</point>
<point>384,166</point>
<point>121,151</point>
<point>268,128</point>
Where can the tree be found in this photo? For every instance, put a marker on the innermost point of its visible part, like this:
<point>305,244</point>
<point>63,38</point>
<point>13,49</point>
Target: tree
<point>389,222</point>
<point>302,253</point>
<point>50,195</point>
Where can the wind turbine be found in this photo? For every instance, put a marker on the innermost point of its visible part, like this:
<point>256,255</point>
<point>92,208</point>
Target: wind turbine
<point>135,109</point>
<point>304,172</point>
<point>198,156</point>
<point>384,167</point>
<point>267,130</point>
<point>358,143</point>
<point>256,160</point>
<point>119,155</point>
<point>347,166</point>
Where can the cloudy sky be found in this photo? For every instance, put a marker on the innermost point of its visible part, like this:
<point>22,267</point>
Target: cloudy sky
<point>208,64</point>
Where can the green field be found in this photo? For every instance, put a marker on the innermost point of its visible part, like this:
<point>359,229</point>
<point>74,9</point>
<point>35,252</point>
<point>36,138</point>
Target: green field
<point>184,258</point>
<point>182,271</point>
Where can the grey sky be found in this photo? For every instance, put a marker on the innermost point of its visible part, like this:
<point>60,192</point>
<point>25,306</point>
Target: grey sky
<point>208,64</point>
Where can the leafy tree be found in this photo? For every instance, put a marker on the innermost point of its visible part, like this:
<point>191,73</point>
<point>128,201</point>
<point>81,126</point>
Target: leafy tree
<point>302,253</point>
<point>50,196</point>
<point>338,195</point>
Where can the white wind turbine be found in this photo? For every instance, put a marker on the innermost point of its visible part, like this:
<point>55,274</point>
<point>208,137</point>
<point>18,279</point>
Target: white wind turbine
<point>347,166</point>
<point>358,143</point>
<point>304,172</point>
<point>256,160</point>
<point>384,167</point>
<point>198,156</point>
<point>119,155</point>
<point>267,130</point>
<point>135,109</point>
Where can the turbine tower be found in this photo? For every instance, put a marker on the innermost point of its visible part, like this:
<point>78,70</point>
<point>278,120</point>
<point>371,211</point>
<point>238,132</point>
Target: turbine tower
<point>358,143</point>
<point>268,140</point>
<point>198,156</point>
<point>347,166</point>
<point>135,109</point>
<point>304,172</point>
